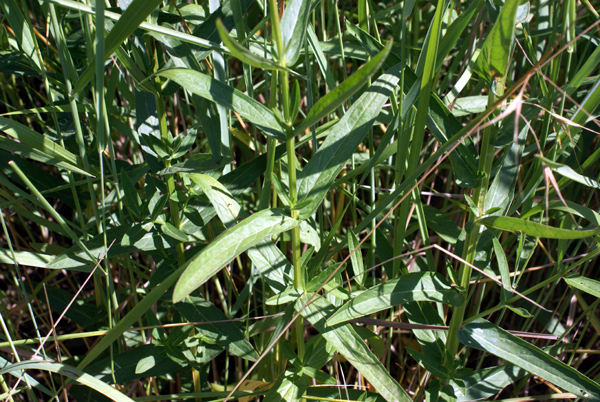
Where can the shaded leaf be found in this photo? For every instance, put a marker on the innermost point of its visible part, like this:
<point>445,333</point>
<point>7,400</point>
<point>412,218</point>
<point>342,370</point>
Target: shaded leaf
<point>584,284</point>
<point>485,336</point>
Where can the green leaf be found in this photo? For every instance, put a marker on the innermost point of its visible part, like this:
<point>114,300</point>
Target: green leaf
<point>198,163</point>
<point>356,258</point>
<point>246,56</point>
<point>294,22</point>
<point>171,231</point>
<point>344,91</point>
<point>224,95</point>
<point>346,341</point>
<point>229,245</point>
<point>495,51</point>
<point>534,228</point>
<point>134,202</point>
<point>504,270</point>
<point>215,326</point>
<point>584,284</point>
<point>34,145</point>
<point>485,336</point>
<point>416,286</point>
<point>484,383</point>
<point>289,387</point>
<point>134,15</point>
<point>568,172</point>
<point>69,372</point>
<point>27,258</point>
<point>227,208</point>
<point>342,140</point>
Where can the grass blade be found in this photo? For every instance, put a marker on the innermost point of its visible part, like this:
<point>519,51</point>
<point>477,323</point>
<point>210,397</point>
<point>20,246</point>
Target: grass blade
<point>534,229</point>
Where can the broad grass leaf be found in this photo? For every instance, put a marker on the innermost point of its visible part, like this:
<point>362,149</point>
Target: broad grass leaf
<point>485,336</point>
<point>229,245</point>
<point>69,372</point>
<point>534,229</point>
<point>344,339</point>
<point>132,17</point>
<point>342,140</point>
<point>294,22</point>
<point>289,387</point>
<point>584,284</point>
<point>227,208</point>
<point>215,326</point>
<point>495,51</point>
<point>416,286</point>
<point>504,270</point>
<point>342,92</point>
<point>26,258</point>
<point>356,257</point>
<point>34,145</point>
<point>224,95</point>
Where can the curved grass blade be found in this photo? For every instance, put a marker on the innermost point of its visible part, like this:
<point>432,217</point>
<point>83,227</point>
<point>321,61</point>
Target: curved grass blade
<point>222,94</point>
<point>229,245</point>
<point>70,372</point>
<point>416,286</point>
<point>34,145</point>
<point>345,90</point>
<point>485,336</point>
<point>534,229</point>
<point>225,334</point>
<point>346,341</point>
<point>321,170</point>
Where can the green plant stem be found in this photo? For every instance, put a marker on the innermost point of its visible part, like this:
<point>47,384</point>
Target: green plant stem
<point>173,205</point>
<point>485,167</point>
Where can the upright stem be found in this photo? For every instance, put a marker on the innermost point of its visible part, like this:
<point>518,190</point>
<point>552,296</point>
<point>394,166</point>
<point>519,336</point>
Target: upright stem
<point>291,158</point>
<point>485,167</point>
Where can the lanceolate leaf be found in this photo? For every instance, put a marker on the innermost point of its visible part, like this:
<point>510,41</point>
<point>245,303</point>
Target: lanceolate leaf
<point>495,52</point>
<point>229,245</point>
<point>346,341</point>
<point>584,284</point>
<point>246,56</point>
<point>293,28</point>
<point>319,173</point>
<point>224,95</point>
<point>227,208</point>
<point>345,90</point>
<point>225,334</point>
<point>487,337</point>
<point>534,228</point>
<point>417,286</point>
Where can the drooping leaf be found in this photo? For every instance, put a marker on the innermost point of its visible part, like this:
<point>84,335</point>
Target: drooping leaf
<point>416,286</point>
<point>294,23</point>
<point>229,245</point>
<point>534,229</point>
<point>344,339</point>
<point>225,334</point>
<point>568,172</point>
<point>224,95</point>
<point>485,336</point>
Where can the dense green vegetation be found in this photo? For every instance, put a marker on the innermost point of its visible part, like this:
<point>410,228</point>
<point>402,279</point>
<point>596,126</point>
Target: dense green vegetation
<point>312,200</point>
